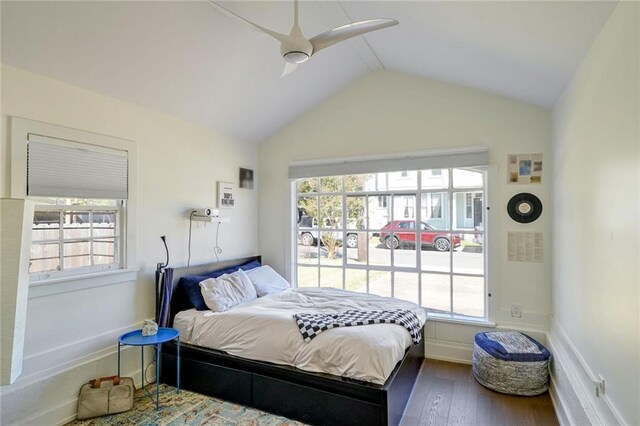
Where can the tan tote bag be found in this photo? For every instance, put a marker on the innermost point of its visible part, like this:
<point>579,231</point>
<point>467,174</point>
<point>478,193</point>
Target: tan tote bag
<point>105,395</point>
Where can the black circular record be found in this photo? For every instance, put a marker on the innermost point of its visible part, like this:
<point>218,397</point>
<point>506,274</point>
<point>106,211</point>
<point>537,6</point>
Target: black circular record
<point>524,207</point>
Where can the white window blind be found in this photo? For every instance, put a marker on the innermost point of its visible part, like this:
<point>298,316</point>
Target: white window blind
<point>466,157</point>
<point>60,168</point>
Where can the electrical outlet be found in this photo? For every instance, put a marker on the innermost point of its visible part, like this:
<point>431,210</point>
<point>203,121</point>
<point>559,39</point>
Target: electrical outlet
<point>599,386</point>
<point>516,311</point>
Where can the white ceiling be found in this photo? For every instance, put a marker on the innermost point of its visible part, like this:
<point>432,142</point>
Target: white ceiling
<point>186,59</point>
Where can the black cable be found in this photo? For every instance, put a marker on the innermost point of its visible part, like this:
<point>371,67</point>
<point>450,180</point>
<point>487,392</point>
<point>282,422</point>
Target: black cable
<point>164,240</point>
<point>190,223</point>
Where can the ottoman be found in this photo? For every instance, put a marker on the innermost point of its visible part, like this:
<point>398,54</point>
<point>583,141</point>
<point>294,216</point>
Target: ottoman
<point>511,362</point>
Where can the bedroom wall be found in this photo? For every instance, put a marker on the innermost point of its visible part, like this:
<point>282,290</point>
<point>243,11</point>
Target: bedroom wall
<point>388,112</point>
<point>71,337</point>
<point>595,329</point>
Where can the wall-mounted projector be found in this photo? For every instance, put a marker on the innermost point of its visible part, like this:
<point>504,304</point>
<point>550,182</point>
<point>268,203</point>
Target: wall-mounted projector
<point>206,212</point>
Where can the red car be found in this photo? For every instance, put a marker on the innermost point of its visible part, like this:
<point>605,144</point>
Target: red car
<point>405,234</point>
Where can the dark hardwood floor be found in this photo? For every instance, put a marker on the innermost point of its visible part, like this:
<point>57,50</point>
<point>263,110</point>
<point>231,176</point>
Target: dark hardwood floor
<point>447,394</point>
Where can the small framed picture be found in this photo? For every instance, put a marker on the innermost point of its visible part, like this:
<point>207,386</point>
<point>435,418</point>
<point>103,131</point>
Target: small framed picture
<point>524,168</point>
<point>246,178</point>
<point>226,192</point>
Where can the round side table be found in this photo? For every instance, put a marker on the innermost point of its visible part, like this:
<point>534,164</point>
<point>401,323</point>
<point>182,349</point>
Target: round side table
<point>135,338</point>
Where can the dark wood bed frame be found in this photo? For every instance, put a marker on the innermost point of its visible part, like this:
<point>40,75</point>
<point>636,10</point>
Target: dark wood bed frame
<point>320,399</point>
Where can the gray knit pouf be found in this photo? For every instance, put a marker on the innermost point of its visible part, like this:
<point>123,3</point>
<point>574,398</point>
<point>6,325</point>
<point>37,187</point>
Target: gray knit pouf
<point>511,362</point>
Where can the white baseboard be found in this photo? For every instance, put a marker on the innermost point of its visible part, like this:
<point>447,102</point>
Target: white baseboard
<point>50,396</point>
<point>56,359</point>
<point>456,345</point>
<point>571,384</point>
<point>66,411</point>
<point>572,387</point>
<point>559,405</point>
<point>34,400</point>
<point>448,351</point>
<point>57,413</point>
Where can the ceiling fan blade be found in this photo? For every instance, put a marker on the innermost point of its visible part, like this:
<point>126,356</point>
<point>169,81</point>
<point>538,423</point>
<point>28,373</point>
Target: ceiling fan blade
<point>336,35</point>
<point>274,34</point>
<point>288,68</point>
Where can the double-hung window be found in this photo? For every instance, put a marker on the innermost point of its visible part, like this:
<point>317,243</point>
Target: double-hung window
<point>416,234</point>
<point>76,235</point>
<point>80,193</point>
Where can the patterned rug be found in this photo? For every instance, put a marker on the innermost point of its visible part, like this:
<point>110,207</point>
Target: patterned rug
<point>186,408</point>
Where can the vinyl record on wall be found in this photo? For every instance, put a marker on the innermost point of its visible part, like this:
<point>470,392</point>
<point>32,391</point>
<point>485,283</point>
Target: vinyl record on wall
<point>524,207</point>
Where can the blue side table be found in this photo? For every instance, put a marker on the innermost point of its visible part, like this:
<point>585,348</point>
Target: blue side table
<point>135,338</point>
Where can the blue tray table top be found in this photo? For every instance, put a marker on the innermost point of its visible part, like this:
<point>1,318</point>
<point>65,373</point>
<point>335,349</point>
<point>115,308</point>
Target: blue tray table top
<point>135,337</point>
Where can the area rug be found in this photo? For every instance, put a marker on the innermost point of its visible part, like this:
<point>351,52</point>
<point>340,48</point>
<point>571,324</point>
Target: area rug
<point>186,408</point>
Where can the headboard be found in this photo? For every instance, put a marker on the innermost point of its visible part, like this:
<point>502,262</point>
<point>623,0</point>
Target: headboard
<point>171,298</point>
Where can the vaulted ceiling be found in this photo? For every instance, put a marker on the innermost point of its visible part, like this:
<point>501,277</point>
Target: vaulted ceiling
<point>186,59</point>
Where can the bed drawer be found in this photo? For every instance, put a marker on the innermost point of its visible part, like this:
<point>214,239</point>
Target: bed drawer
<point>222,382</point>
<point>302,402</point>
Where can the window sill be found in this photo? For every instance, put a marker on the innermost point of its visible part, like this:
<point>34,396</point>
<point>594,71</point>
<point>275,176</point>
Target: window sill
<point>80,282</point>
<point>454,319</point>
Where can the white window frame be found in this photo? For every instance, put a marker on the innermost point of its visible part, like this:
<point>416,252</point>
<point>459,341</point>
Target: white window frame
<point>488,182</point>
<point>20,129</point>
<point>120,211</point>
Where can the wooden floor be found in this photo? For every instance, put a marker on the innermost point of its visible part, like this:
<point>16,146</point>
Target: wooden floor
<point>447,394</point>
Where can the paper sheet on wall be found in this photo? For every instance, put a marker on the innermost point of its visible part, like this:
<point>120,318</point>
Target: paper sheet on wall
<point>525,246</point>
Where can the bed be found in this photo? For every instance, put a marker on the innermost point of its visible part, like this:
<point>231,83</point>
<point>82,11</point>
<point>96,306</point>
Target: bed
<point>308,396</point>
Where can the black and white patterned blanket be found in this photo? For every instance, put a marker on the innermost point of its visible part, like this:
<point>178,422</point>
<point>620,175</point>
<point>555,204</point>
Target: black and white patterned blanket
<point>312,324</point>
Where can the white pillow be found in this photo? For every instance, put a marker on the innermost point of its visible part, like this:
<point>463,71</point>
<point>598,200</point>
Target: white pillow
<point>227,291</point>
<point>266,280</point>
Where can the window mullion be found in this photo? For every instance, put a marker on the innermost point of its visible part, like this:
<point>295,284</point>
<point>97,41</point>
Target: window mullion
<point>344,231</point>
<point>319,220</point>
<point>61,239</point>
<point>419,235</point>
<point>91,238</point>
<point>393,230</point>
<point>450,196</point>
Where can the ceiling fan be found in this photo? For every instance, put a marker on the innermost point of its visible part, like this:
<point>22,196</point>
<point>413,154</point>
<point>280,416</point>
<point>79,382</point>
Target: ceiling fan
<point>296,49</point>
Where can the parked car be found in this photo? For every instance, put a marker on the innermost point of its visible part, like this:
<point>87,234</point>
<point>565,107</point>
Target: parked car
<point>308,233</point>
<point>307,236</point>
<point>404,233</point>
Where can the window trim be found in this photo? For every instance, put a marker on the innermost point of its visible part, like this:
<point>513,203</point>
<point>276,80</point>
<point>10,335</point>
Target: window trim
<point>69,273</point>
<point>470,156</point>
<point>70,283</point>
<point>20,128</point>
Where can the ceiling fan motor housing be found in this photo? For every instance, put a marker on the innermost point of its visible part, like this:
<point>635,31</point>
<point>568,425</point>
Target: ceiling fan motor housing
<point>296,50</point>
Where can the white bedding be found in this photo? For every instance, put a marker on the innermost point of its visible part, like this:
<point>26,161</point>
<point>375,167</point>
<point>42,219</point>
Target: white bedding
<point>264,329</point>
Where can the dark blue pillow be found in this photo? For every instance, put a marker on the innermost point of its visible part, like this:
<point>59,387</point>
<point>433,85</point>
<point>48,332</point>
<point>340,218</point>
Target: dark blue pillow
<point>191,283</point>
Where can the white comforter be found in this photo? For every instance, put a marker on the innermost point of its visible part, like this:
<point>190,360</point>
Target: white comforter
<point>264,329</point>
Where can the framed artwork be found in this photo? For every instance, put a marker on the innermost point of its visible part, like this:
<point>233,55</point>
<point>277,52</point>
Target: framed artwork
<point>226,195</point>
<point>246,178</point>
<point>524,168</point>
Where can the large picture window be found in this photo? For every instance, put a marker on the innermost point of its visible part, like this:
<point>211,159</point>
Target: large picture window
<point>416,235</point>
